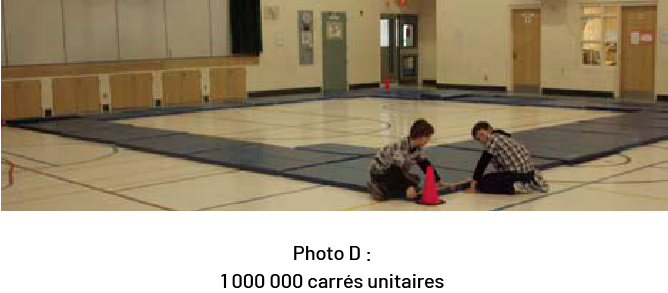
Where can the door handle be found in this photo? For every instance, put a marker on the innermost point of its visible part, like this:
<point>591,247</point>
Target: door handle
<point>514,56</point>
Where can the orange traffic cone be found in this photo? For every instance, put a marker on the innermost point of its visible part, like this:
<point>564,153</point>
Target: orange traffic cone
<point>429,192</point>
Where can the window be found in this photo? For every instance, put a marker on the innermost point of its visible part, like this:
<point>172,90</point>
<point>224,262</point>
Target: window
<point>600,35</point>
<point>384,32</point>
<point>408,35</point>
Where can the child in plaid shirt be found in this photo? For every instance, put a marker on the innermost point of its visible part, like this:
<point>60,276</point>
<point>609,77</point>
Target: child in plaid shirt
<point>515,172</point>
<point>390,169</point>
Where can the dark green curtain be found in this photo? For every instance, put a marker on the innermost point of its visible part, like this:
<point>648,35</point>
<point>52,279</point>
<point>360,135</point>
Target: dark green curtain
<point>246,26</point>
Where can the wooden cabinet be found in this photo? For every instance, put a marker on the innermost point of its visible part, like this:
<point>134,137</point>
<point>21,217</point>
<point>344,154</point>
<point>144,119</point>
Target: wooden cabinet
<point>21,99</point>
<point>131,91</point>
<point>181,87</point>
<point>228,84</point>
<point>76,95</point>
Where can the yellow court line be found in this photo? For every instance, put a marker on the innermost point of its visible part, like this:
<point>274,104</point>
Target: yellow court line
<point>628,194</point>
<point>361,206</point>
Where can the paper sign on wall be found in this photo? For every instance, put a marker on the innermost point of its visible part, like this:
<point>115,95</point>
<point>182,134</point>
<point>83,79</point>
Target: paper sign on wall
<point>635,37</point>
<point>646,37</point>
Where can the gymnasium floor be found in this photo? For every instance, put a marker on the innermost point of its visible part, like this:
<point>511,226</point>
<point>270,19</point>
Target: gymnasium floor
<point>55,173</point>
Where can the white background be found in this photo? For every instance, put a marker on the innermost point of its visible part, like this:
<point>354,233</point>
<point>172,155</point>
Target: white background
<point>472,252</point>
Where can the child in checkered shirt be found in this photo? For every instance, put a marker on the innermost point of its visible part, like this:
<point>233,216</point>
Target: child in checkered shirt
<point>515,172</point>
<point>390,168</point>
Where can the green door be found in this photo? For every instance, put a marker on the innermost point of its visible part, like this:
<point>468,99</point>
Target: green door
<point>335,61</point>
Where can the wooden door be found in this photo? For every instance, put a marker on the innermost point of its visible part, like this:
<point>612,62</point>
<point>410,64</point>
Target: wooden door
<point>526,50</point>
<point>638,53</point>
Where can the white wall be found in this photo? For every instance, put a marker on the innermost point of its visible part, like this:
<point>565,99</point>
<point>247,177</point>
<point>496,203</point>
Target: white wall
<point>220,27</point>
<point>90,30</point>
<point>279,65</point>
<point>46,32</point>
<point>188,28</point>
<point>427,40</point>
<point>34,31</point>
<point>473,41</point>
<point>142,29</point>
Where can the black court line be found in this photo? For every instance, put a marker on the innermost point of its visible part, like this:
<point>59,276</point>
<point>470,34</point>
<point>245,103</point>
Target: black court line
<point>176,180</point>
<point>136,200</point>
<point>31,159</point>
<point>505,207</point>
<point>114,151</point>
<point>534,125</point>
<point>273,125</point>
<point>627,160</point>
<point>341,118</point>
<point>259,198</point>
<point>343,134</point>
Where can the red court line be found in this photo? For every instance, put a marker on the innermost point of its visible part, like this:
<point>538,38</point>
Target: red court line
<point>95,188</point>
<point>10,174</point>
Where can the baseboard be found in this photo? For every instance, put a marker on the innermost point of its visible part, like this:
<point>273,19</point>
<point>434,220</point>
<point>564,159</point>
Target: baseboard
<point>285,92</point>
<point>577,93</point>
<point>429,82</point>
<point>360,86</point>
<point>662,98</point>
<point>470,87</point>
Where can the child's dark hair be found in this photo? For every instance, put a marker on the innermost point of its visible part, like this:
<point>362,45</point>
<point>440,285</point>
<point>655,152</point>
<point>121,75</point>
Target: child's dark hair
<point>421,128</point>
<point>481,125</point>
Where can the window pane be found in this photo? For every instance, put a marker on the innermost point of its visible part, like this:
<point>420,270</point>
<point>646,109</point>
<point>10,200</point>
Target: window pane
<point>384,32</point>
<point>591,54</point>
<point>591,28</point>
<point>592,10</point>
<point>408,35</point>
<point>611,34</point>
<point>611,54</point>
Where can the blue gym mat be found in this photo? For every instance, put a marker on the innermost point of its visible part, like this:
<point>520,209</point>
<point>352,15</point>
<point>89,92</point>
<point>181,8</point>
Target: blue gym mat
<point>347,166</point>
<point>335,148</point>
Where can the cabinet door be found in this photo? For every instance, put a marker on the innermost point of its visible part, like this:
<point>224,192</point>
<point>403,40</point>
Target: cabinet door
<point>143,97</point>
<point>65,96</point>
<point>28,99</point>
<point>220,89</point>
<point>122,88</point>
<point>192,87</point>
<point>89,99</point>
<point>237,84</point>
<point>8,100</point>
<point>172,88</point>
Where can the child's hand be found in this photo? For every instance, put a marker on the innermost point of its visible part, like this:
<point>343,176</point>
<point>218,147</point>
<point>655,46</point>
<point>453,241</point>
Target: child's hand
<point>447,185</point>
<point>411,193</point>
<point>472,188</point>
